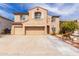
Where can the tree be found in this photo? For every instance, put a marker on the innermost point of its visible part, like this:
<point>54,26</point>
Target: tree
<point>68,26</point>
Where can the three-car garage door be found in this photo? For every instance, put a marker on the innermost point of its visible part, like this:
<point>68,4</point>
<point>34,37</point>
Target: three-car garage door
<point>34,30</point>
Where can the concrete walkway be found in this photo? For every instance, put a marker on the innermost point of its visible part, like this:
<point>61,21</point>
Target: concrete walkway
<point>35,45</point>
<point>63,47</point>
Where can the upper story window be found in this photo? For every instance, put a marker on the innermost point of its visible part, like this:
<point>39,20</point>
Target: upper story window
<point>37,15</point>
<point>53,20</point>
<point>23,17</point>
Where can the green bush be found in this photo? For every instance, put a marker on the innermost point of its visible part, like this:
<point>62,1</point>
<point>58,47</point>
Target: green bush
<point>68,27</point>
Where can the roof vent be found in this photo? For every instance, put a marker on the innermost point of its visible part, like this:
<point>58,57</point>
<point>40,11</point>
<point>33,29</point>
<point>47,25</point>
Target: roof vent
<point>37,8</point>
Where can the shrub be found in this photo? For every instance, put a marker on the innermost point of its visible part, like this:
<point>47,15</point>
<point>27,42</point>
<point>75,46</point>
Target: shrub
<point>68,27</point>
<point>6,31</point>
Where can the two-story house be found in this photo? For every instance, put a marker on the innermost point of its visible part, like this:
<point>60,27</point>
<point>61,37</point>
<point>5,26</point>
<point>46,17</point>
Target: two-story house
<point>36,21</point>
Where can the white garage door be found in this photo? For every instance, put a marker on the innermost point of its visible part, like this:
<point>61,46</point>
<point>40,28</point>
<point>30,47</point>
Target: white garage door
<point>35,30</point>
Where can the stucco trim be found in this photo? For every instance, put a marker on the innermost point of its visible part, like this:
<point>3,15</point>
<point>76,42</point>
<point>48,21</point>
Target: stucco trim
<point>19,13</point>
<point>16,23</point>
<point>56,16</point>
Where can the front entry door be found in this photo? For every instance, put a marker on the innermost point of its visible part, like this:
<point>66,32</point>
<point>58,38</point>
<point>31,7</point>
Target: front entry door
<point>47,29</point>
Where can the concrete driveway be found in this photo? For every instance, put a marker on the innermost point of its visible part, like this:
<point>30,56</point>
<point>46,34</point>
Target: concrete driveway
<point>35,45</point>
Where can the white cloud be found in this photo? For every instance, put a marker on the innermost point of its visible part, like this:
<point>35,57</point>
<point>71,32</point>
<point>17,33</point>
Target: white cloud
<point>4,5</point>
<point>65,11</point>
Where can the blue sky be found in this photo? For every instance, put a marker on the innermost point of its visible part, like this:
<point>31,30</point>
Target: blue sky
<point>66,11</point>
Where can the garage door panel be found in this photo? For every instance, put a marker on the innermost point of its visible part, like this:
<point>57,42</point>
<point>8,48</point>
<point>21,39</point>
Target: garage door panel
<point>34,30</point>
<point>18,31</point>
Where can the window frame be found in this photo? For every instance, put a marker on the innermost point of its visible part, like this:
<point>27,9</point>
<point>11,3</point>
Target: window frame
<point>53,20</point>
<point>37,15</point>
<point>22,17</point>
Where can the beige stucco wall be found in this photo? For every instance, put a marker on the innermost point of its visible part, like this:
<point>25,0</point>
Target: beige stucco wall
<point>5,23</point>
<point>54,24</point>
<point>18,19</point>
<point>57,25</point>
<point>12,30</point>
<point>36,22</point>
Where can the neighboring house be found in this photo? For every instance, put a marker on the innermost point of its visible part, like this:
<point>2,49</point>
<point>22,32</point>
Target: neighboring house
<point>5,23</point>
<point>36,21</point>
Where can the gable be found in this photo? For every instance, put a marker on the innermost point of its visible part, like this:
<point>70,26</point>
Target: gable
<point>38,8</point>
